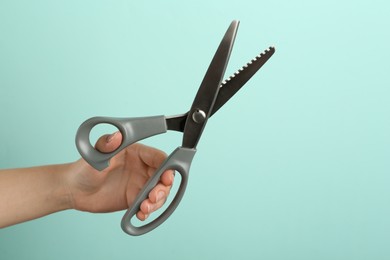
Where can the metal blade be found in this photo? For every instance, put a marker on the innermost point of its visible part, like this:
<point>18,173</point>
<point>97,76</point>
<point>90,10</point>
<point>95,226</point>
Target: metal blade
<point>205,98</point>
<point>233,84</point>
<point>227,89</point>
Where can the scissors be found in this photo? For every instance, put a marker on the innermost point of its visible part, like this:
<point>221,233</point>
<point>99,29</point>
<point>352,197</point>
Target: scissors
<point>211,96</point>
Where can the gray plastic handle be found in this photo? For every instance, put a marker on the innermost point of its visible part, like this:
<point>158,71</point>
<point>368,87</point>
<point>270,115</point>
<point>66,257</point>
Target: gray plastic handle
<point>132,129</point>
<point>180,161</point>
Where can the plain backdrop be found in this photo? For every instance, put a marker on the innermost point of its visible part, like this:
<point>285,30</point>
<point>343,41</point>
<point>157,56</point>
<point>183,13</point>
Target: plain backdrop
<point>295,166</point>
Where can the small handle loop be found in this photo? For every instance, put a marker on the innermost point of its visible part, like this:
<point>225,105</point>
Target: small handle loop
<point>132,129</point>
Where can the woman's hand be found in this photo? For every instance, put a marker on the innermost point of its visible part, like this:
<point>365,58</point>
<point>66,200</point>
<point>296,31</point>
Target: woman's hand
<point>116,187</point>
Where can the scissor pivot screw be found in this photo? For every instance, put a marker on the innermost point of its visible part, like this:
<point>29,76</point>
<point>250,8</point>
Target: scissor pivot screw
<point>199,116</point>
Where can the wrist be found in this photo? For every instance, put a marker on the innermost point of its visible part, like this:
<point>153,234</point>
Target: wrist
<point>75,180</point>
<point>62,197</point>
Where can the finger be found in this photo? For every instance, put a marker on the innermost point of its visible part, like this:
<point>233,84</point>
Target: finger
<point>151,156</point>
<point>168,177</point>
<point>157,196</point>
<point>141,216</point>
<point>148,207</point>
<point>152,207</point>
<point>156,199</point>
<point>108,143</point>
<point>159,193</point>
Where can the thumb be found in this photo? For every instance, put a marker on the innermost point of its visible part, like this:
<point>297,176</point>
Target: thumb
<point>108,143</point>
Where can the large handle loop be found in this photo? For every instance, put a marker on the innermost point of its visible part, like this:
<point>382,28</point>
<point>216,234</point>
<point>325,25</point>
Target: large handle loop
<point>180,161</point>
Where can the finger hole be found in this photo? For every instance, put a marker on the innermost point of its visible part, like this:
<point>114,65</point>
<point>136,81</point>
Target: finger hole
<point>159,207</point>
<point>100,135</point>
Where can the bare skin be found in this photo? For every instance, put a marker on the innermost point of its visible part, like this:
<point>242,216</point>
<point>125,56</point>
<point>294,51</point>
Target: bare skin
<point>30,193</point>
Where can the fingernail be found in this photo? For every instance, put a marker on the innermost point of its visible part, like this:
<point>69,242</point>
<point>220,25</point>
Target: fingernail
<point>110,137</point>
<point>160,195</point>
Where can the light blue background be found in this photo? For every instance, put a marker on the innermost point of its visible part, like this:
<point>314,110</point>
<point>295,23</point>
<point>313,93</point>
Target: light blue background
<point>295,167</point>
